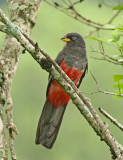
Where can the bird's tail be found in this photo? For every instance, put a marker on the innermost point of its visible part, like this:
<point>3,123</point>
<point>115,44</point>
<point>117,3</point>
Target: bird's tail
<point>49,124</point>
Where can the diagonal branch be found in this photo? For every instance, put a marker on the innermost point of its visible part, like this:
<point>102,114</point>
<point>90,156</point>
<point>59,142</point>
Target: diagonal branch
<point>114,121</point>
<point>82,103</point>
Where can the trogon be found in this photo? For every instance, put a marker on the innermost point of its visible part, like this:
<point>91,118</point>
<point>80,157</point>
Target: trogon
<point>73,61</point>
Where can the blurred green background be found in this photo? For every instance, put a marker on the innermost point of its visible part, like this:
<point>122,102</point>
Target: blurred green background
<point>76,139</point>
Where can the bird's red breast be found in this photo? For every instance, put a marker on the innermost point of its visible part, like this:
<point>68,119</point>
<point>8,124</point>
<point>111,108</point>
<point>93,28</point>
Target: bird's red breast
<point>56,95</point>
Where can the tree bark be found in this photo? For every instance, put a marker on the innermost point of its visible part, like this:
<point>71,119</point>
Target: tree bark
<point>22,13</point>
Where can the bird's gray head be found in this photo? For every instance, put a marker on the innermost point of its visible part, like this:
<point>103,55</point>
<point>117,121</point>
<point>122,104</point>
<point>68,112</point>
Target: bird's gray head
<point>74,39</point>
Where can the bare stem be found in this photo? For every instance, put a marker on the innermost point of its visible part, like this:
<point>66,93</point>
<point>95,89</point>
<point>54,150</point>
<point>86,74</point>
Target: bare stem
<point>99,90</point>
<point>105,57</point>
<point>113,17</point>
<point>114,121</point>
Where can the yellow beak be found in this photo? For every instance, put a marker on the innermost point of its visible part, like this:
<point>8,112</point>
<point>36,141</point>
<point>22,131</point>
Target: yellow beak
<point>65,39</point>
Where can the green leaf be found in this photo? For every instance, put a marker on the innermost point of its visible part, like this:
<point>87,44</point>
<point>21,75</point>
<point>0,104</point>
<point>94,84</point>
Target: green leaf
<point>117,77</point>
<point>97,39</point>
<point>116,86</point>
<point>121,92</point>
<point>119,27</point>
<point>116,35</point>
<point>118,8</point>
<point>109,41</point>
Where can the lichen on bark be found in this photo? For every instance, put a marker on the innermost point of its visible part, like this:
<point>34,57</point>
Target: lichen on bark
<point>22,13</point>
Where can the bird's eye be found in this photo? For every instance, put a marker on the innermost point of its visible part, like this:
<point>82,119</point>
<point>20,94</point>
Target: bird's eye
<point>73,38</point>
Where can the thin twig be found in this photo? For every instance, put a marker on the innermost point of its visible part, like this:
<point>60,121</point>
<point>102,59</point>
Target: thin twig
<point>9,113</point>
<point>87,20</point>
<point>114,121</point>
<point>107,5</point>
<point>77,16</point>
<point>105,57</point>
<point>102,48</point>
<point>69,9</point>
<point>102,91</point>
<point>91,32</point>
<point>114,16</point>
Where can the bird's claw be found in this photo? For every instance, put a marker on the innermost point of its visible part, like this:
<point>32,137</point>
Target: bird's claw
<point>45,64</point>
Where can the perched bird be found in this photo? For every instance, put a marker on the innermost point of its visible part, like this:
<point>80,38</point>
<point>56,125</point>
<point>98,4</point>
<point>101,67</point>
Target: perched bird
<point>73,61</point>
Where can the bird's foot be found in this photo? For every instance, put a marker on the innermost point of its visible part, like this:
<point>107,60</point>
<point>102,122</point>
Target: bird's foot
<point>45,64</point>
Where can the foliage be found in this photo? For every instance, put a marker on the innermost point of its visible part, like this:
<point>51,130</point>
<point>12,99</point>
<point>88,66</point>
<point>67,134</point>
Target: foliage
<point>117,34</point>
